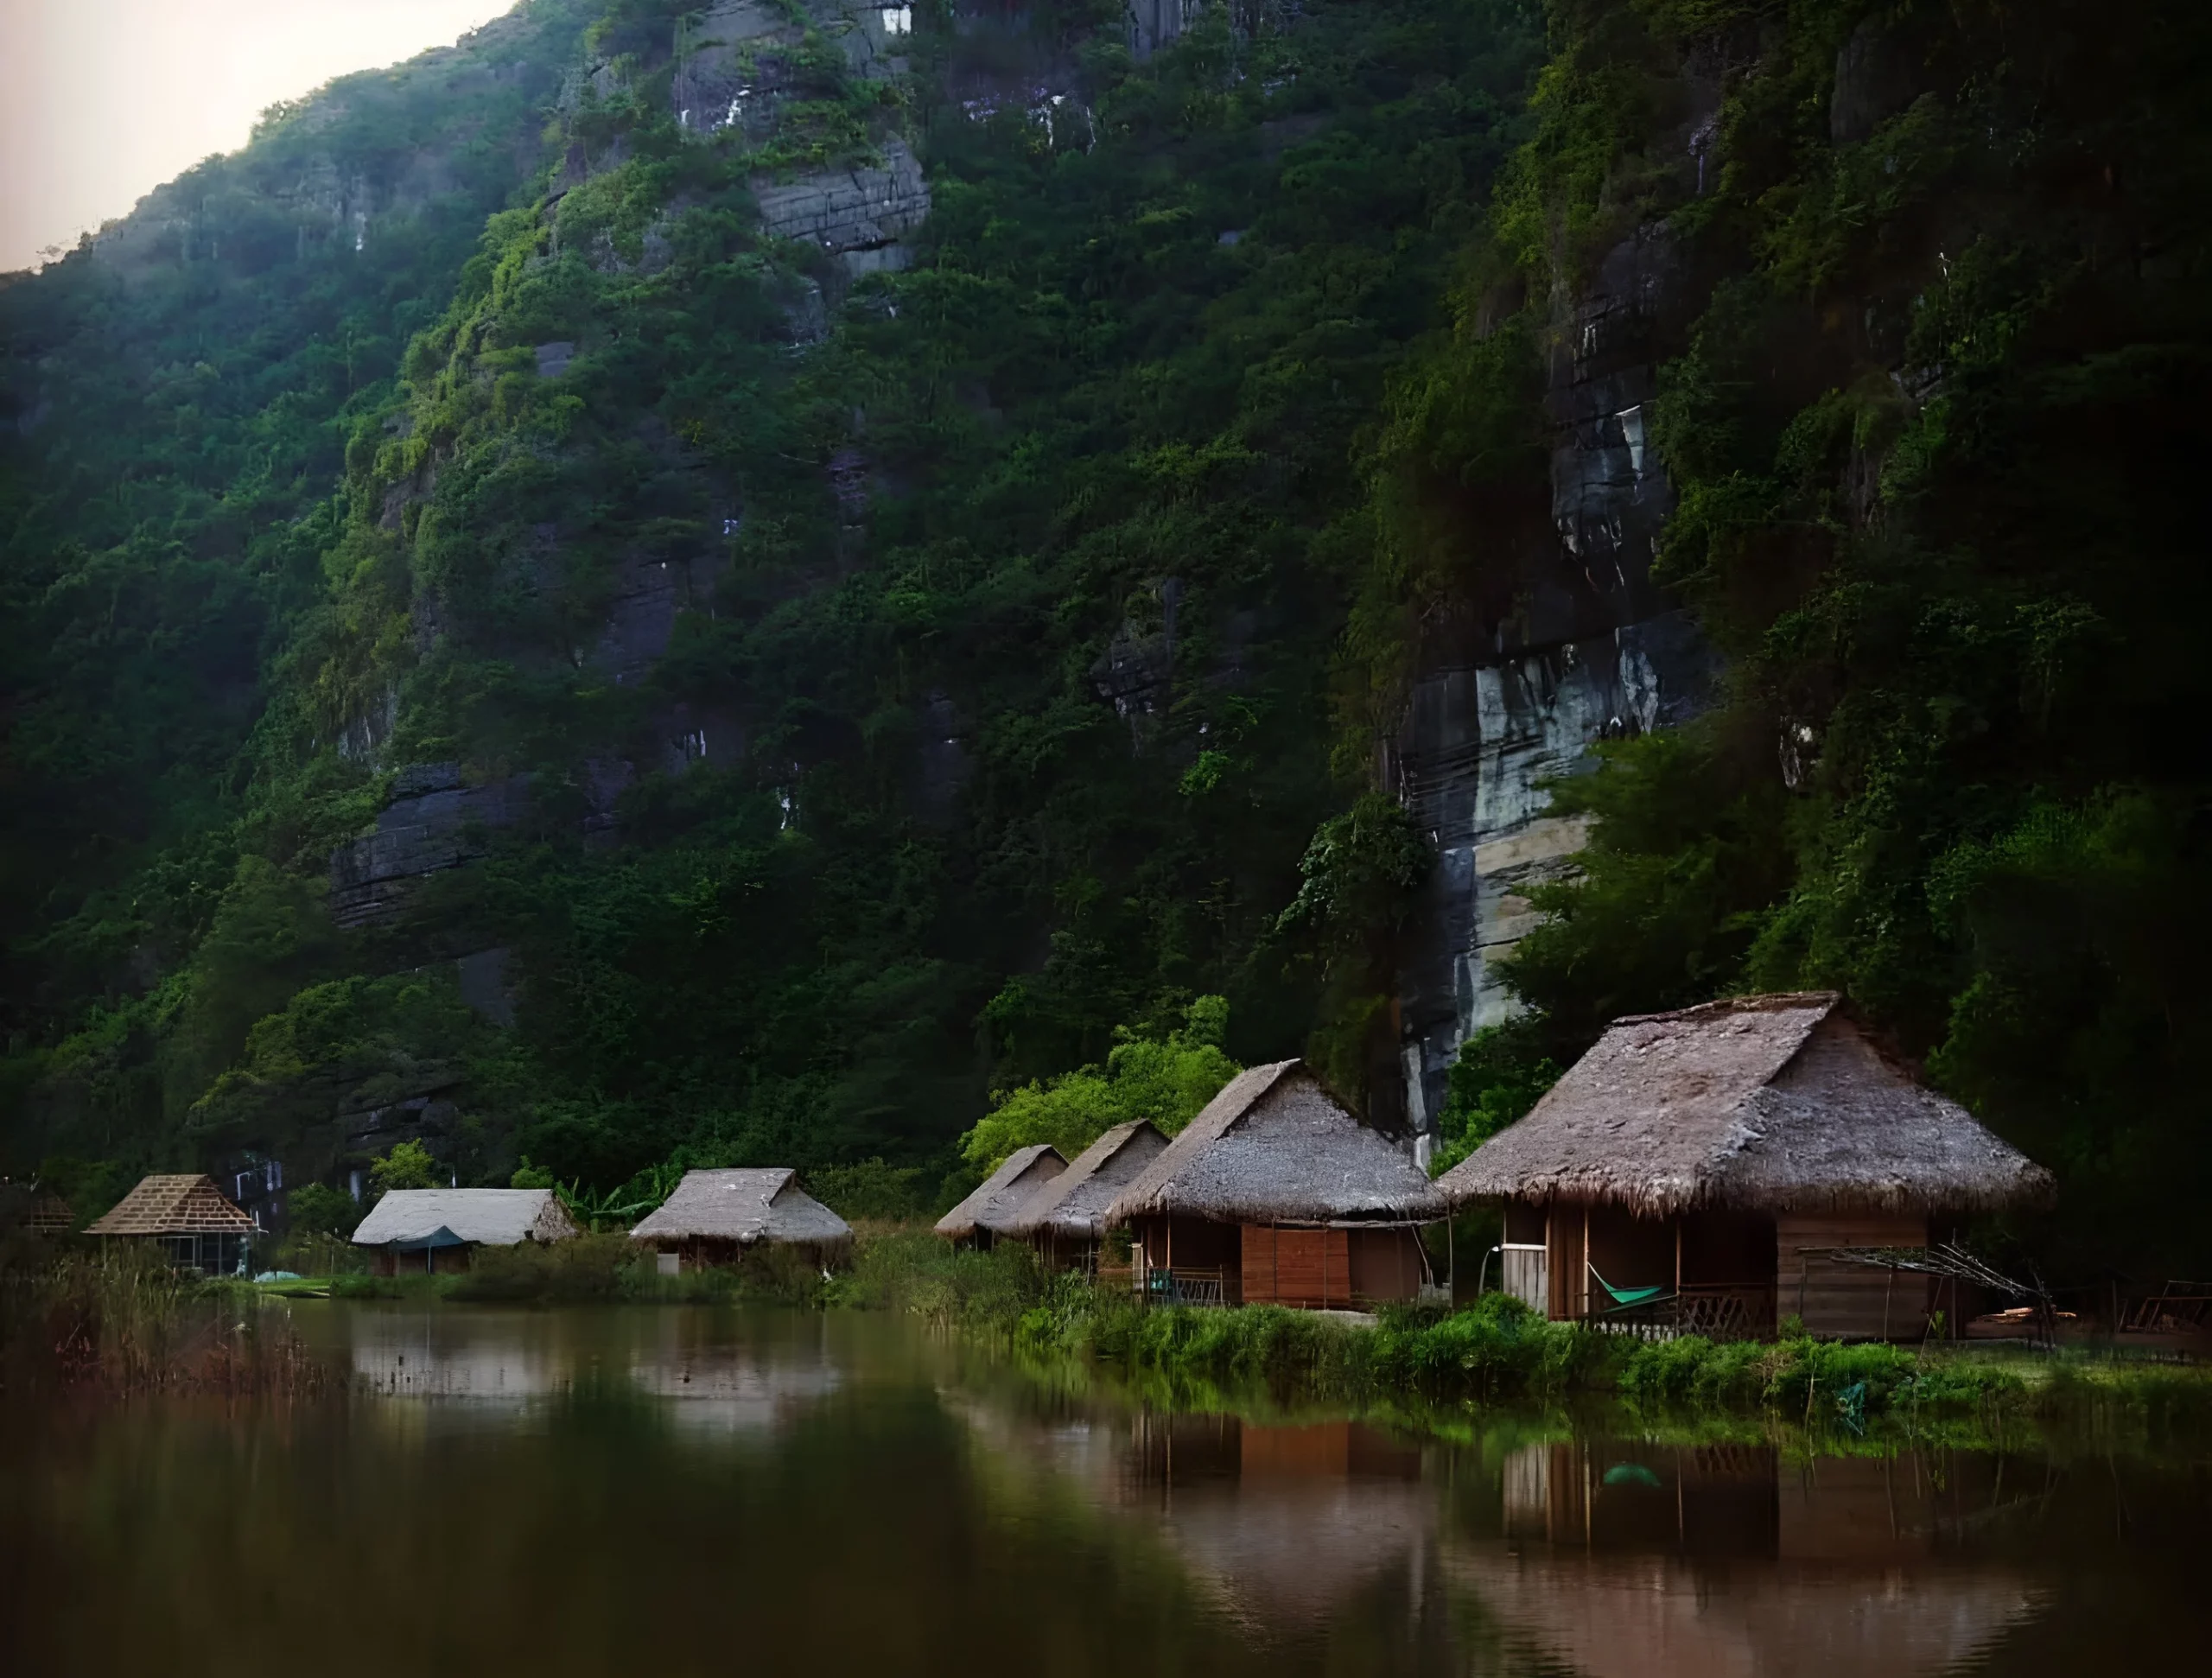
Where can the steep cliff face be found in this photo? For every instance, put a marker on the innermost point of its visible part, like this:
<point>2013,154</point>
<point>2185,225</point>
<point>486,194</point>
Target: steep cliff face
<point>830,582</point>
<point>1593,650</point>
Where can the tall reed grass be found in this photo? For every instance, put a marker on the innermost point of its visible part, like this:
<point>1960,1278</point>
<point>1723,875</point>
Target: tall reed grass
<point>118,1321</point>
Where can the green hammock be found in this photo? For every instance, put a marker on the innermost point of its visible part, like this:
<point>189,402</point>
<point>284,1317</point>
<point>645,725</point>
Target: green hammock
<point>1625,1296</point>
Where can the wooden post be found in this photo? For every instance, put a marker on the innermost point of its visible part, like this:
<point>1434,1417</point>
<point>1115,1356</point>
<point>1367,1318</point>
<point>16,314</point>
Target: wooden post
<point>1585,1278</point>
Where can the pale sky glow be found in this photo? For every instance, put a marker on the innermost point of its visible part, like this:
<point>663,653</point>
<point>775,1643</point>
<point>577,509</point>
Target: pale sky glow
<point>103,100</point>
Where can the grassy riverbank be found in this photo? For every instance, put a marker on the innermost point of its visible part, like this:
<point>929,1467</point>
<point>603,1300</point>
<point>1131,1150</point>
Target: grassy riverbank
<point>1499,1352</point>
<point>123,1321</point>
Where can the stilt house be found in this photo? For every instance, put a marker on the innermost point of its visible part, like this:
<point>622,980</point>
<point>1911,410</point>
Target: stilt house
<point>1711,1170</point>
<point>438,1230</point>
<point>195,1226</point>
<point>1066,1220</point>
<point>1274,1194</point>
<point>715,1217</point>
<point>989,1212</point>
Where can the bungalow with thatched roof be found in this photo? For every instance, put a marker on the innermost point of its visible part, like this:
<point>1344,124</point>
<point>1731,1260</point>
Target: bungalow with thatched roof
<point>197,1227</point>
<point>1275,1194</point>
<point>714,1216</point>
<point>438,1230</point>
<point>1066,1220</point>
<point>989,1211</point>
<point>1706,1168</point>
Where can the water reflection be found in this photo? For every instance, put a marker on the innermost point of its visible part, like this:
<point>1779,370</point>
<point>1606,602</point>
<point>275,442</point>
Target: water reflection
<point>1717,1560</point>
<point>563,1491</point>
<point>518,1361</point>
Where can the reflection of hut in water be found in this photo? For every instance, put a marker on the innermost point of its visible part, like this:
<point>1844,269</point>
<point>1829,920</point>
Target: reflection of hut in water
<point>1275,1194</point>
<point>736,1391</point>
<point>989,1212</point>
<point>186,1217</point>
<point>1065,1218</point>
<point>1697,1170</point>
<point>1282,1525</point>
<point>486,1357</point>
<point>714,1216</point>
<point>438,1230</point>
<point>1634,1559</point>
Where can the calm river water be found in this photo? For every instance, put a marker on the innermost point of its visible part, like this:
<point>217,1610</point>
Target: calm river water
<point>672,1491</point>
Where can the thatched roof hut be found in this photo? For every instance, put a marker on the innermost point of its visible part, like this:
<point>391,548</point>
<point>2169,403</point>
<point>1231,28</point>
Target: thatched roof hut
<point>1771,1104</point>
<point>743,1209</point>
<point>1273,1147</point>
<point>176,1203</point>
<point>447,1225</point>
<point>991,1209</point>
<point>1071,1208</point>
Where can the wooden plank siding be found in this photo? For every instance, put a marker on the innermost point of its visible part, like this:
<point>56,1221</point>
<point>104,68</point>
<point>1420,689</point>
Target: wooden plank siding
<point>1330,1269</point>
<point>1306,1268</point>
<point>1850,1301</point>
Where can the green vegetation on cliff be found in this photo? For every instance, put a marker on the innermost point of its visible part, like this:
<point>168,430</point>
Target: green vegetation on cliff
<point>816,699</point>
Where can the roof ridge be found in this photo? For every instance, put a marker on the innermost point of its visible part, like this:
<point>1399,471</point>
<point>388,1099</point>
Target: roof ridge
<point>1772,1002</point>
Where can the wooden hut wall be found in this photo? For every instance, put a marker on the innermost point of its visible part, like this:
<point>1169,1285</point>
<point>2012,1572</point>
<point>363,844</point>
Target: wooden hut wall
<point>1386,1265</point>
<point>1725,1247</point>
<point>444,1260</point>
<point>1850,1301</point>
<point>1305,1268</point>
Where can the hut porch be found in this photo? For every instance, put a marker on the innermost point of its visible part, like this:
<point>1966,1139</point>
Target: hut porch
<point>1195,1261</point>
<point>1188,1260</point>
<point>1721,1168</point>
<point>1722,1274</point>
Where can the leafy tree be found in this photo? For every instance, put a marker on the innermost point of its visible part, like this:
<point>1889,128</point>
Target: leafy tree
<point>406,1166</point>
<point>1164,1079</point>
<point>1502,1071</point>
<point>318,1209</point>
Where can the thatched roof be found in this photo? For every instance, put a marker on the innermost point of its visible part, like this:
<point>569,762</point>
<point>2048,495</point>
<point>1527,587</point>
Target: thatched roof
<point>1275,1147</point>
<point>743,1206</point>
<point>1072,1205</point>
<point>1001,1195</point>
<point>180,1204</point>
<point>486,1218</point>
<point>1768,1103</point>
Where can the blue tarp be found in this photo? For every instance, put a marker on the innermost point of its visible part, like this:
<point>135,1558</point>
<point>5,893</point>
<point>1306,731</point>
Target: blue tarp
<point>441,1236</point>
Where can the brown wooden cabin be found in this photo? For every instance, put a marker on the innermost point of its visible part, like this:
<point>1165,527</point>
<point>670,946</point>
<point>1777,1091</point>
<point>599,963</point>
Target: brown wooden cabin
<point>714,1217</point>
<point>991,1210</point>
<point>1065,1219</point>
<point>1274,1194</point>
<point>437,1231</point>
<point>188,1217</point>
<point>1705,1171</point>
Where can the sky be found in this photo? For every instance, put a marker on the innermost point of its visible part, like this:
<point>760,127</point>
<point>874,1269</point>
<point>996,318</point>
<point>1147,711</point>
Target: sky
<point>103,100</point>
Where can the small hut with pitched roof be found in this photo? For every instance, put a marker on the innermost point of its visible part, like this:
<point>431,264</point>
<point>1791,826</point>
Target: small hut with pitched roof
<point>989,1211</point>
<point>1716,1168</point>
<point>196,1226</point>
<point>717,1216</point>
<point>1275,1194</point>
<point>436,1230</point>
<point>1066,1220</point>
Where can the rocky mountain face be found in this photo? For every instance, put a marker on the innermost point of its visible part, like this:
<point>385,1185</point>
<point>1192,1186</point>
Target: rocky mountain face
<point>731,584</point>
<point>1594,651</point>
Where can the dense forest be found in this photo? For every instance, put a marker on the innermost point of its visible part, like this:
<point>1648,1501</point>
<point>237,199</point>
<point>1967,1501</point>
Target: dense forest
<point>768,585</point>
